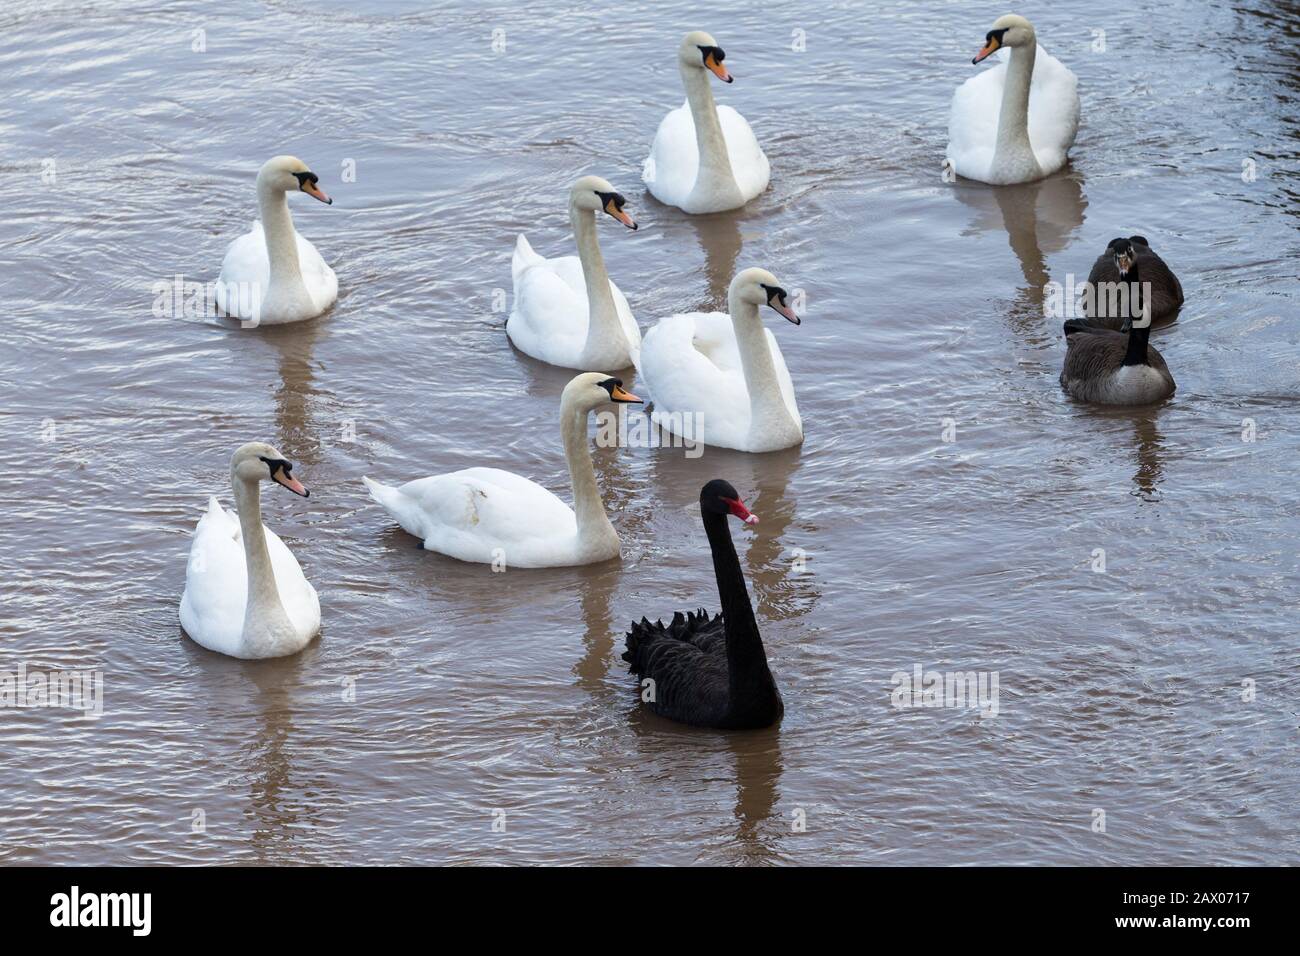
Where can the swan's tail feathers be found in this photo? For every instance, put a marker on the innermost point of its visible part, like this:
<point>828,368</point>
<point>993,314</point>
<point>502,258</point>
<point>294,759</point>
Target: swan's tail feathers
<point>639,638</point>
<point>385,495</point>
<point>524,258</point>
<point>644,636</point>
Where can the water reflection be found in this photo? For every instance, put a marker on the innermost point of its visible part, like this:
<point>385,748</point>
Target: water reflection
<point>720,238</point>
<point>1039,219</point>
<point>1149,445</point>
<point>274,814</point>
<point>759,766</point>
<point>602,641</point>
<point>298,399</point>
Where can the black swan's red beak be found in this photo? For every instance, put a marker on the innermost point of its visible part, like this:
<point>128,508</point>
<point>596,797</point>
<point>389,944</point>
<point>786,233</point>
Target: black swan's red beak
<point>740,511</point>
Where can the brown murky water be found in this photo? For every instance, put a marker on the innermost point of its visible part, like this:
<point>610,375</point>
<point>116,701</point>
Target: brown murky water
<point>478,692</point>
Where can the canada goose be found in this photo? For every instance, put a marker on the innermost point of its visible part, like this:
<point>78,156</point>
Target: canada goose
<point>1117,368</point>
<point>1166,290</point>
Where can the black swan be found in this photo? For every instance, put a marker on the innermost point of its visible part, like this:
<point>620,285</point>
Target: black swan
<point>710,672</point>
<point>1117,368</point>
<point>1166,290</point>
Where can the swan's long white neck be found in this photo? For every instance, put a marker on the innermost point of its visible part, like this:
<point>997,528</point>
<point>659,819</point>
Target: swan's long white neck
<point>604,334</point>
<point>768,411</point>
<point>1013,145</point>
<point>265,619</point>
<point>595,533</point>
<point>281,240</point>
<point>715,177</point>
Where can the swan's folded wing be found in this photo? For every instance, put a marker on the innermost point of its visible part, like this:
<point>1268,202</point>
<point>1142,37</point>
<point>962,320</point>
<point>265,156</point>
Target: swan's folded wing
<point>299,598</point>
<point>627,321</point>
<point>470,513</point>
<point>1053,111</point>
<point>216,581</point>
<point>973,120</point>
<point>549,319</point>
<point>245,265</point>
<point>674,161</point>
<point>691,365</point>
<point>748,161</point>
<point>321,282</point>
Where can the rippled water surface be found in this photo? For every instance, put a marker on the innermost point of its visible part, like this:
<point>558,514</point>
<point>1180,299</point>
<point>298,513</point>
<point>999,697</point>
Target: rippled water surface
<point>882,547</point>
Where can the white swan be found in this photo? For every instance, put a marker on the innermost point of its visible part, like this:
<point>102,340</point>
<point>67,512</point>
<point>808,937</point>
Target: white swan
<point>705,158</point>
<point>492,516</point>
<point>723,373</point>
<point>567,311</point>
<point>271,274</point>
<point>1016,122</point>
<point>245,594</point>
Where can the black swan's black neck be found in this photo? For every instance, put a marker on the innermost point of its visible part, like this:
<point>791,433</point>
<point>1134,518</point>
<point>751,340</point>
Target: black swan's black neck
<point>1137,338</point>
<point>744,645</point>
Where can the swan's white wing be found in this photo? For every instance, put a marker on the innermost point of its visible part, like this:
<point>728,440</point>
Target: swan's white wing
<point>748,161</point>
<point>484,515</point>
<point>690,365</point>
<point>321,282</point>
<point>216,582</point>
<point>299,598</point>
<point>674,161</point>
<point>1053,111</point>
<point>247,264</point>
<point>628,322</point>
<point>549,319</point>
<point>973,121</point>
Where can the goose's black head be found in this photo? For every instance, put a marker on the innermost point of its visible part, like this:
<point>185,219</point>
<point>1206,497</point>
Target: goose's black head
<point>1125,255</point>
<point>719,497</point>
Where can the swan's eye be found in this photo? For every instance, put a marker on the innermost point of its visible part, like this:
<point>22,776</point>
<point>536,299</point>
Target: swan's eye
<point>716,52</point>
<point>305,178</point>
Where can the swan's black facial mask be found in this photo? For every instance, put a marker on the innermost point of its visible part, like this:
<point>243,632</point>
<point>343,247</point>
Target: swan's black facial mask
<point>992,43</point>
<point>616,393</point>
<point>307,183</point>
<point>713,57</point>
<point>613,204</point>
<point>281,475</point>
<point>776,298</point>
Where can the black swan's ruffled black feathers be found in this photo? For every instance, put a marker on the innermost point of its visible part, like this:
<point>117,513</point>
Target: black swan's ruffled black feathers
<point>687,660</point>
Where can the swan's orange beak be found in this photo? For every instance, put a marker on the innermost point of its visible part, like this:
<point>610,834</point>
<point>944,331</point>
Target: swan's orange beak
<point>988,49</point>
<point>740,511</point>
<point>619,394</point>
<point>612,208</point>
<point>718,69</point>
<point>311,189</point>
<point>282,477</point>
